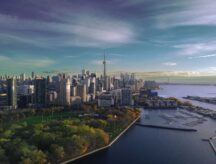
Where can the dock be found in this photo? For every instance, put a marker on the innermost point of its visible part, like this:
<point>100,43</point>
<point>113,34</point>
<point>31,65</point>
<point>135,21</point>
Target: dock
<point>166,127</point>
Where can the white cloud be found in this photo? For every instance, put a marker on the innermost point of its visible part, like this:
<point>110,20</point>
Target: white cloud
<point>20,62</point>
<point>73,30</point>
<point>207,70</point>
<point>196,48</point>
<point>3,58</point>
<point>212,69</point>
<point>40,63</point>
<point>203,56</point>
<point>170,64</point>
<point>197,12</point>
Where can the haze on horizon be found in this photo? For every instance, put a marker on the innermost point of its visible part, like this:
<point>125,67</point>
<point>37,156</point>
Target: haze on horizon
<point>138,35</point>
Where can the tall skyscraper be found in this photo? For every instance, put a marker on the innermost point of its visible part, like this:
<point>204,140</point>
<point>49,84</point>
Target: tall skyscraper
<point>92,88</point>
<point>22,77</point>
<point>81,91</point>
<point>83,72</point>
<point>32,75</point>
<point>64,92</point>
<point>104,74</point>
<point>73,90</point>
<point>12,93</point>
<point>40,92</point>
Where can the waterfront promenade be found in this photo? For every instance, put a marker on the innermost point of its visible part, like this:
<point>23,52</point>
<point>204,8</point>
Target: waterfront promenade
<point>104,147</point>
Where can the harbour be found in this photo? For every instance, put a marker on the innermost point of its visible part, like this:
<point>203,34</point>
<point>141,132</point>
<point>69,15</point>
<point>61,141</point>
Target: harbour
<point>163,145</point>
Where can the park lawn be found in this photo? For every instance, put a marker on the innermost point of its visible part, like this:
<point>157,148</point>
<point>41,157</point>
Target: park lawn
<point>47,118</point>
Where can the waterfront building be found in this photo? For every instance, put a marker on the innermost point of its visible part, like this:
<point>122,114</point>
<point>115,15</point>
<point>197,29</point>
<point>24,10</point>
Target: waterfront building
<point>12,93</point>
<point>159,104</point>
<point>147,93</point>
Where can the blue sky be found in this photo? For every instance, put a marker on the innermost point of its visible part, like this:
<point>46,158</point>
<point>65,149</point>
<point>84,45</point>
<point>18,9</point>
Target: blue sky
<point>138,35</point>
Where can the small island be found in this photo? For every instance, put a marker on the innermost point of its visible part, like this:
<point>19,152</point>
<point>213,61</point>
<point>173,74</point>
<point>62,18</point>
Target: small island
<point>57,135</point>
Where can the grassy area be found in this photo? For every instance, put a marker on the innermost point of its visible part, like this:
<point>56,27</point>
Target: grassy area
<point>42,118</point>
<point>47,118</point>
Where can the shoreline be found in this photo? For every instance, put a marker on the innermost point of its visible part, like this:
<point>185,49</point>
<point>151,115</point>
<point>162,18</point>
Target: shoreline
<point>104,147</point>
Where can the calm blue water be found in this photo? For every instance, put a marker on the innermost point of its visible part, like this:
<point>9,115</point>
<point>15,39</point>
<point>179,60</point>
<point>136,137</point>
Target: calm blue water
<point>141,145</point>
<point>185,90</point>
<point>180,91</point>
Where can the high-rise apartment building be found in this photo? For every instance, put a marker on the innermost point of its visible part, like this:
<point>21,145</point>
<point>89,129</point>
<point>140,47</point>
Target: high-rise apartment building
<point>64,92</point>
<point>40,92</point>
<point>81,91</point>
<point>12,93</point>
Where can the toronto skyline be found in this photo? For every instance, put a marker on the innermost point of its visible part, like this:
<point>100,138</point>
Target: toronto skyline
<point>137,35</point>
<point>108,81</point>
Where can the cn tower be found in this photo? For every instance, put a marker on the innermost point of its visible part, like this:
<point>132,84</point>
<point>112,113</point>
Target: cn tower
<point>104,73</point>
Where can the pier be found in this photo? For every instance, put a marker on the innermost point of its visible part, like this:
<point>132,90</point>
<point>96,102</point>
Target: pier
<point>166,127</point>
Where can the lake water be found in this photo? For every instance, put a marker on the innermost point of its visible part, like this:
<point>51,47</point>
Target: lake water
<point>180,91</point>
<point>142,145</point>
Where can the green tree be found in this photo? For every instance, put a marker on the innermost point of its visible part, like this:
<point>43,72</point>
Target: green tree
<point>35,157</point>
<point>57,151</point>
<point>3,157</point>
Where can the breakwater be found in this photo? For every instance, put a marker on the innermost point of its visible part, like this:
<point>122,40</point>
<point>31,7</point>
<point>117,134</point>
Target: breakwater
<point>166,127</point>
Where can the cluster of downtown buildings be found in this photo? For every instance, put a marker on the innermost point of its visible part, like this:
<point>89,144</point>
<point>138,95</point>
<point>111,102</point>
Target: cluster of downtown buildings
<point>68,90</point>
